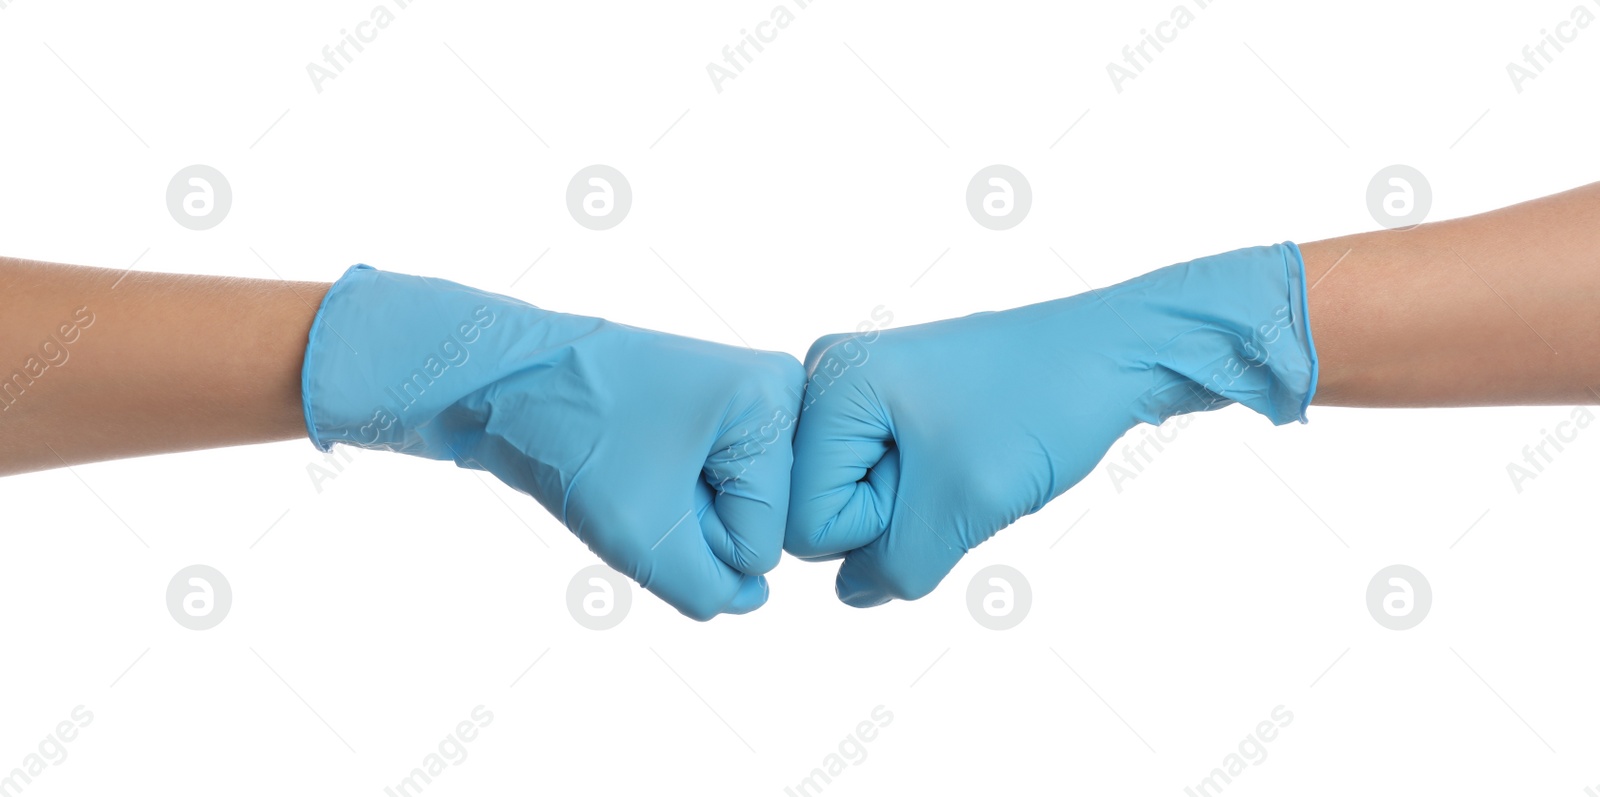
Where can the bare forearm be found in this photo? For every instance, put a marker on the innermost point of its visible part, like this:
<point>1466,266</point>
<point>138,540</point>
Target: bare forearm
<point>1498,308</point>
<point>99,364</point>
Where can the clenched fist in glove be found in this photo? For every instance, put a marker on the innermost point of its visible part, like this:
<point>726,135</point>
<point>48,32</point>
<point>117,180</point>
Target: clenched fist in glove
<point>917,444</point>
<point>669,457</point>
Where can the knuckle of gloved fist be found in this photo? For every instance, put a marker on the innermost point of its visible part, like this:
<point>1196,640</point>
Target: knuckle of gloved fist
<point>779,380</point>
<point>819,346</point>
<point>774,407</point>
<point>806,540</point>
<point>701,605</point>
<point>837,366</point>
<point>908,585</point>
<point>785,369</point>
<point>754,547</point>
<point>761,558</point>
<point>800,546</point>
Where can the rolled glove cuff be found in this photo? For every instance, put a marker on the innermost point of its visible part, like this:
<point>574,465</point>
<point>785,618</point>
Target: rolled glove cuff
<point>1222,329</point>
<point>390,358</point>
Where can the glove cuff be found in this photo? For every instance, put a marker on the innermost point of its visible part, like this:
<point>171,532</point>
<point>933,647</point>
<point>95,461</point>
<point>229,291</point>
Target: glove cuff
<point>1236,330</point>
<point>387,353</point>
<point>314,344</point>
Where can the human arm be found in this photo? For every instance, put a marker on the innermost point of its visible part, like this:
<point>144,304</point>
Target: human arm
<point>103,364</point>
<point>667,456</point>
<point>1493,309</point>
<point>917,444</point>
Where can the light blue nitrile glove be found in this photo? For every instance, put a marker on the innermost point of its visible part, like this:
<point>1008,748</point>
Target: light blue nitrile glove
<point>669,457</point>
<point>917,444</point>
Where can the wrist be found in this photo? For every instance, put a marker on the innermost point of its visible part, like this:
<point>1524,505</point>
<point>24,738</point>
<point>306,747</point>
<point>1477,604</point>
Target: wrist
<point>388,353</point>
<point>1224,329</point>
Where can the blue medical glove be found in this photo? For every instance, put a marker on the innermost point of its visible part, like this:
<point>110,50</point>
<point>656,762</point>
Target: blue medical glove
<point>669,457</point>
<point>917,444</point>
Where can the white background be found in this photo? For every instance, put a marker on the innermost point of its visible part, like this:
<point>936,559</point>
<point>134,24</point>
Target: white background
<point>1188,605</point>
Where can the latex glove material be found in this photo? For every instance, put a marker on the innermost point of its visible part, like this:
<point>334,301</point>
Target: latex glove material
<point>916,444</point>
<point>669,457</point>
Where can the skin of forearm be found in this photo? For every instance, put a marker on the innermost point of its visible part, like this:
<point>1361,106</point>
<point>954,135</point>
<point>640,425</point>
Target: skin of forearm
<point>1494,309</point>
<point>99,364</point>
